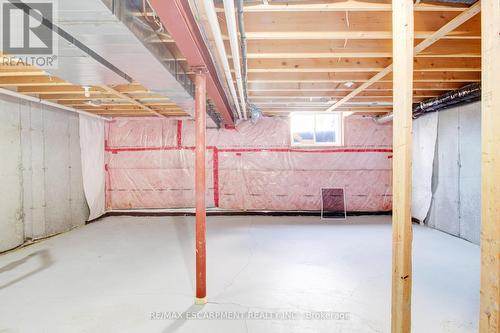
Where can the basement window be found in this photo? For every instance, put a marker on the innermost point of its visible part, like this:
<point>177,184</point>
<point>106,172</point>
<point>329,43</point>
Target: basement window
<point>316,129</point>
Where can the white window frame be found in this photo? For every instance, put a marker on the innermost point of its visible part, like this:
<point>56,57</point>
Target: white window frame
<point>340,140</point>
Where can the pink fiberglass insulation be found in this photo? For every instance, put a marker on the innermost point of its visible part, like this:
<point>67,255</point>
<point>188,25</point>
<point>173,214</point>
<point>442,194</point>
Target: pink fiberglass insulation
<point>150,164</point>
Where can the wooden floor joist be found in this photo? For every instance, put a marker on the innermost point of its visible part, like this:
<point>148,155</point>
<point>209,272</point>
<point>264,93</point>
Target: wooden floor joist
<point>379,86</point>
<point>343,6</point>
<point>342,35</point>
<point>357,54</point>
<point>30,90</point>
<point>402,19</point>
<point>19,81</point>
<point>361,64</point>
<point>130,99</point>
<point>489,321</point>
<point>333,49</point>
<point>357,25</point>
<point>362,77</point>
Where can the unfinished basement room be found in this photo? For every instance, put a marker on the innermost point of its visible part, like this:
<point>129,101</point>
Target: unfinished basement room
<point>250,166</point>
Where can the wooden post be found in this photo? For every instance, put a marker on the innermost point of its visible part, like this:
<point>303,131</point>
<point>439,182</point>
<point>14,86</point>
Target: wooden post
<point>489,321</point>
<point>402,30</point>
<point>200,185</point>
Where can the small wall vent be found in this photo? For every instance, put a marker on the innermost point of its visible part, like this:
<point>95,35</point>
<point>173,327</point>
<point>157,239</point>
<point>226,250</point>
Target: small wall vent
<point>333,205</point>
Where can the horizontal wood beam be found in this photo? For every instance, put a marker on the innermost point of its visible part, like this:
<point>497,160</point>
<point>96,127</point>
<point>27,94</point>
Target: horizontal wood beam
<point>31,81</point>
<point>334,93</point>
<point>21,68</point>
<point>457,53</point>
<point>340,95</point>
<point>131,89</point>
<point>327,49</point>
<point>357,77</point>
<point>103,97</point>
<point>343,35</point>
<point>355,69</point>
<point>356,25</point>
<point>58,90</point>
<point>126,108</point>
<point>347,109</point>
<point>344,6</point>
<point>138,114</point>
<point>307,92</point>
<point>6,74</point>
<point>338,86</point>
<point>106,104</point>
<point>360,65</point>
<point>70,89</point>
<point>317,100</point>
<point>129,99</point>
<point>78,97</point>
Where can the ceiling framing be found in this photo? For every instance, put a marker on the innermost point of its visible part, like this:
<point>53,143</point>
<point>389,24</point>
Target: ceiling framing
<point>308,55</point>
<point>301,56</point>
<point>127,100</point>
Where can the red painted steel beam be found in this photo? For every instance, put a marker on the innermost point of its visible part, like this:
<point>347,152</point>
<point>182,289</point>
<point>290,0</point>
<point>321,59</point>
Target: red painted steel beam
<point>200,185</point>
<point>177,17</point>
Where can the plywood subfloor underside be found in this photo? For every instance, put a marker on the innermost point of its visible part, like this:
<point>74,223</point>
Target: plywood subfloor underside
<point>110,275</point>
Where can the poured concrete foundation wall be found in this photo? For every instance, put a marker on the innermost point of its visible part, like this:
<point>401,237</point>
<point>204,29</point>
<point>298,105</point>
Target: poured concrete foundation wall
<point>456,180</point>
<point>40,173</point>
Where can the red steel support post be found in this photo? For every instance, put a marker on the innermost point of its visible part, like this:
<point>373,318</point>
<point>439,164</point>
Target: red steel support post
<point>200,185</point>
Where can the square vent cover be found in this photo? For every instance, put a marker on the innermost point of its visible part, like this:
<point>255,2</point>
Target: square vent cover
<point>333,203</point>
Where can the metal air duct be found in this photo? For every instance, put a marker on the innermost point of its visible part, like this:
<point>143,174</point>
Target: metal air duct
<point>467,94</point>
<point>111,42</point>
<point>116,31</point>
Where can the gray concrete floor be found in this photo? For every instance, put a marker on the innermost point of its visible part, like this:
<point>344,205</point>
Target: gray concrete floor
<point>111,276</point>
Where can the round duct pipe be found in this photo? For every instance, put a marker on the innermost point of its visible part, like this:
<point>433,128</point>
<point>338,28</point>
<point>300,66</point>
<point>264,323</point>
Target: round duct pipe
<point>467,94</point>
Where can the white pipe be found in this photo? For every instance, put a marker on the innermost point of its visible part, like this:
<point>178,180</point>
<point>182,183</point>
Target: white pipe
<point>219,45</point>
<point>233,41</point>
<point>386,118</point>
<point>44,102</point>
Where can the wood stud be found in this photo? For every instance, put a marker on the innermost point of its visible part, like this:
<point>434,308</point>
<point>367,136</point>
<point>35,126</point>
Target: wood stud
<point>402,19</point>
<point>489,319</point>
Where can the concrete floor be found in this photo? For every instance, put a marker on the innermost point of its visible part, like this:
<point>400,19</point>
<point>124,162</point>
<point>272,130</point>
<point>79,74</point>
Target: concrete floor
<point>111,276</point>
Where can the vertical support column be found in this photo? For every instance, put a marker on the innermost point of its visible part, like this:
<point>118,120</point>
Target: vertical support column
<point>200,185</point>
<point>402,31</point>
<point>489,320</point>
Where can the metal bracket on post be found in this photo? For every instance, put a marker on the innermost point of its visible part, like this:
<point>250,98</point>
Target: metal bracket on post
<point>199,69</point>
<point>217,118</point>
